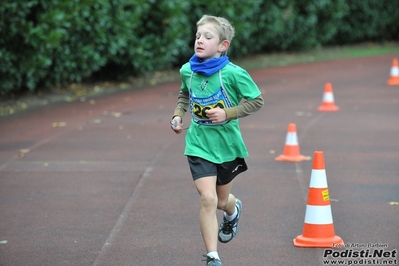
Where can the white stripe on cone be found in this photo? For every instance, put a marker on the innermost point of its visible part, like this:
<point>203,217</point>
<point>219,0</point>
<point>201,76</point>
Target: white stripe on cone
<point>318,178</point>
<point>318,215</point>
<point>395,71</point>
<point>328,97</point>
<point>291,139</point>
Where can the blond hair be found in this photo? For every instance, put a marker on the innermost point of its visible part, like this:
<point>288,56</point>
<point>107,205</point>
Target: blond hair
<point>223,26</point>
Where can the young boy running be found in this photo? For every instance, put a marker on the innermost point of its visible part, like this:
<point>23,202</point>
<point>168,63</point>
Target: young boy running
<point>217,93</point>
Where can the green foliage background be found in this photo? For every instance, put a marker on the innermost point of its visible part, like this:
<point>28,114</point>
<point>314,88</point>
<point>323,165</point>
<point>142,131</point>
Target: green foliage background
<point>47,43</point>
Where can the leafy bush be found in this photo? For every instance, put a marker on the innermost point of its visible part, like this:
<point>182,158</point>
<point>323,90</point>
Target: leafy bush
<point>297,25</point>
<point>51,43</point>
<point>368,20</point>
<point>148,35</point>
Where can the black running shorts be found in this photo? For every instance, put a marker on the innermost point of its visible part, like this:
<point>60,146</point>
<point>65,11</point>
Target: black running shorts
<point>224,172</point>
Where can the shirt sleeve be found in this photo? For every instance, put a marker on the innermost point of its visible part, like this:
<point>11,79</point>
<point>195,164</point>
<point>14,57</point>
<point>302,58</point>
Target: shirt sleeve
<point>244,109</point>
<point>183,102</point>
<point>248,91</point>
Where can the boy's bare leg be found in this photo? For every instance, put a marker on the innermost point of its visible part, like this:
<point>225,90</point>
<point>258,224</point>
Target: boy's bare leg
<point>232,208</point>
<point>206,187</point>
<point>226,200</point>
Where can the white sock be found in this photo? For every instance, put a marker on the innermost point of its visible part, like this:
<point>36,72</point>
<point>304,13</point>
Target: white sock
<point>231,217</point>
<point>213,254</point>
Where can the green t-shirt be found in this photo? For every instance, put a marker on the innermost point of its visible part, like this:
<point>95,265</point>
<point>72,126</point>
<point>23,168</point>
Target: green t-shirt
<point>222,142</point>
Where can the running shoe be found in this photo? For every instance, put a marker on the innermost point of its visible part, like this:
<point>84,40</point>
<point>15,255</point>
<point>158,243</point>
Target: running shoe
<point>229,229</point>
<point>211,261</point>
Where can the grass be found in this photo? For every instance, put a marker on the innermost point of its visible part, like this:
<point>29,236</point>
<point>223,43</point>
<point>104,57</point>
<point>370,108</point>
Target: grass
<point>318,55</point>
<point>81,92</point>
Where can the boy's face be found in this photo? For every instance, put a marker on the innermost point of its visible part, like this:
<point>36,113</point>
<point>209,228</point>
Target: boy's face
<point>207,44</point>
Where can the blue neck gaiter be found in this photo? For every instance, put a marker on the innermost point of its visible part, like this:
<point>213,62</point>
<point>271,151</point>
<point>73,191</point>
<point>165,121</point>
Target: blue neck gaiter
<point>209,67</point>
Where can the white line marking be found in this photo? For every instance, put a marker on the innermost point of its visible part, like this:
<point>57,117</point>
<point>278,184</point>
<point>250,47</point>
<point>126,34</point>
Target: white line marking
<point>128,208</point>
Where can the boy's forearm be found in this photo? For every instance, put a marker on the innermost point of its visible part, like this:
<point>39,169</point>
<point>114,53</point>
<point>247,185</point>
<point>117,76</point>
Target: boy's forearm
<point>246,108</point>
<point>183,102</point>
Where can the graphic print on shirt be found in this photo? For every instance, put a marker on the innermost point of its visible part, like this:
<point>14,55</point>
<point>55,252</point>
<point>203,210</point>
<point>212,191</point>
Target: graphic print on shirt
<point>203,84</point>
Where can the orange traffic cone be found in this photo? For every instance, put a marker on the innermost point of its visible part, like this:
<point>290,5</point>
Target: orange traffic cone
<point>328,104</point>
<point>394,74</point>
<point>291,149</point>
<point>318,229</point>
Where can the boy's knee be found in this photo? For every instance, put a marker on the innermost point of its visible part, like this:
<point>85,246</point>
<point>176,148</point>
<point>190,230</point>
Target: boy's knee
<point>209,199</point>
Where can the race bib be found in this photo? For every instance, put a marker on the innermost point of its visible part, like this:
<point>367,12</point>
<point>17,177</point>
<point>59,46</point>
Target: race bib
<point>199,106</point>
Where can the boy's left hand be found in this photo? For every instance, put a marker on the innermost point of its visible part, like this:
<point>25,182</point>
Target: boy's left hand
<point>216,115</point>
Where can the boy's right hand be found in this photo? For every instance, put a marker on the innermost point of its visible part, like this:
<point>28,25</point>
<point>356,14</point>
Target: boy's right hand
<point>176,124</point>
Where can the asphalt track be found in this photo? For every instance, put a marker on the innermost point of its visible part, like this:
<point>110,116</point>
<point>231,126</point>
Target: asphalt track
<point>108,184</point>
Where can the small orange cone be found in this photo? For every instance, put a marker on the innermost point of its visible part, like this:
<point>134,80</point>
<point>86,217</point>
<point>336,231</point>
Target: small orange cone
<point>394,74</point>
<point>318,229</point>
<point>291,149</point>
<point>328,104</point>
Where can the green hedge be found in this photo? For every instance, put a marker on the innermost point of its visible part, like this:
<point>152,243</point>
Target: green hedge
<point>53,43</point>
<point>369,20</point>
